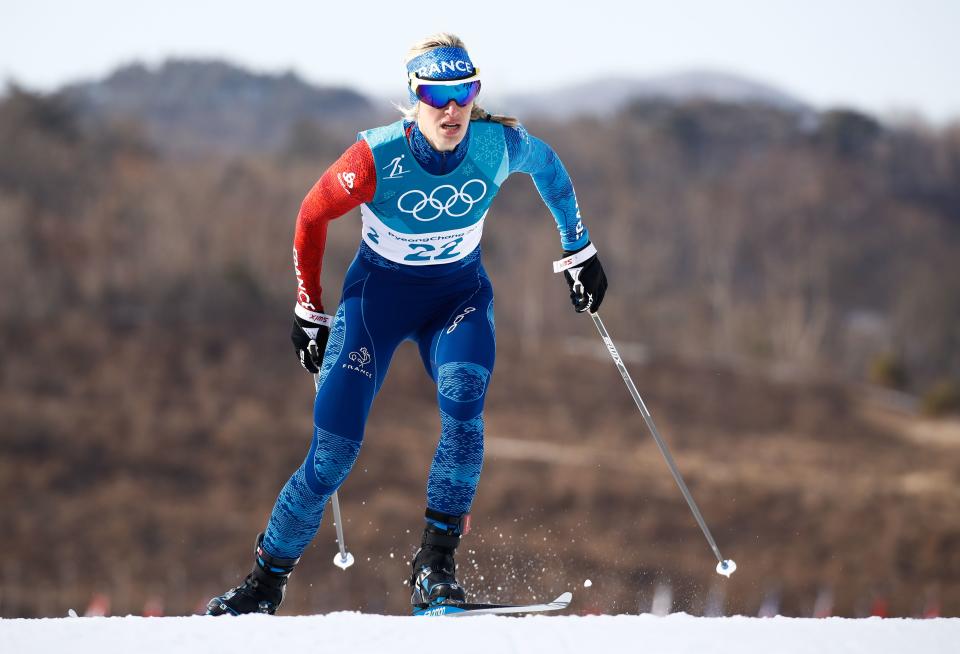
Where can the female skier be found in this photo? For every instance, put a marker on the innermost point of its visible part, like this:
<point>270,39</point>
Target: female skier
<point>424,185</point>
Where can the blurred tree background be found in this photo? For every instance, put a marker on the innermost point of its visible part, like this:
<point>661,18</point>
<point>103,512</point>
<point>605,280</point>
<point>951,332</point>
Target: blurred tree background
<point>784,286</point>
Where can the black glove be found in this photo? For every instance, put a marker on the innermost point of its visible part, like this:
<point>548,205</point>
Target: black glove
<point>309,340</point>
<point>586,279</point>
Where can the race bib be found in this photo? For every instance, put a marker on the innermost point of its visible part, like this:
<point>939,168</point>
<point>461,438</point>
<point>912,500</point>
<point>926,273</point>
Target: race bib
<point>423,248</point>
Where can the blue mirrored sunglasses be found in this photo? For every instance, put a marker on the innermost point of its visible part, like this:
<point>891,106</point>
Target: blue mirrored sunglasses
<point>439,93</point>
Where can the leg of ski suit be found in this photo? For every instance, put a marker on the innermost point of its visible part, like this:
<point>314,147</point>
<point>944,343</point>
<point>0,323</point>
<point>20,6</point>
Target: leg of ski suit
<point>459,356</point>
<point>379,309</point>
<point>352,371</point>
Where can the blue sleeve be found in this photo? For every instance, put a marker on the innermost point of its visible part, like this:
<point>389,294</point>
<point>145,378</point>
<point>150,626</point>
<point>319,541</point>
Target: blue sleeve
<point>528,154</point>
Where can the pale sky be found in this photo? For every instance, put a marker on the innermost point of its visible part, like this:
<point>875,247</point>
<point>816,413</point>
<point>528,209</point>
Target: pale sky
<point>877,55</point>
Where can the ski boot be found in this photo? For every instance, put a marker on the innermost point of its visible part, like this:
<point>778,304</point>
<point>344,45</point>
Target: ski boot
<point>434,571</point>
<point>263,589</point>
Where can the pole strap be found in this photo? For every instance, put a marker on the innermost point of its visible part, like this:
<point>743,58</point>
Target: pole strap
<point>324,319</point>
<point>575,259</point>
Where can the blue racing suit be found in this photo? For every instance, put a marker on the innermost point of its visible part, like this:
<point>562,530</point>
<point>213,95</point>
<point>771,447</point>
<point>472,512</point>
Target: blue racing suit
<point>418,276</point>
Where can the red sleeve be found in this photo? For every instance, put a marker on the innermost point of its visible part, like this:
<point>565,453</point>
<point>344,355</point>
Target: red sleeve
<point>350,181</point>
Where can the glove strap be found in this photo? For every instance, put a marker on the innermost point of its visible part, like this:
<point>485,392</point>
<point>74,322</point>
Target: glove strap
<point>319,318</point>
<point>575,259</point>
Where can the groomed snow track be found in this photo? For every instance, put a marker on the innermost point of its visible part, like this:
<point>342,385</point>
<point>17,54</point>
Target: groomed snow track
<point>351,633</point>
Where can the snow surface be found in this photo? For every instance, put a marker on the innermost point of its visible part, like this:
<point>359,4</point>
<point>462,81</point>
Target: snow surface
<point>343,633</point>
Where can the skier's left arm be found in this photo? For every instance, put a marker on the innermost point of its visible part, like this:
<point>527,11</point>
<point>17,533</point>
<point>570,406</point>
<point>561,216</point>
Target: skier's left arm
<point>580,265</point>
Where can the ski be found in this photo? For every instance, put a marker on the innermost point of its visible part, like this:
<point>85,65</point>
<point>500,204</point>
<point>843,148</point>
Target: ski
<point>468,609</point>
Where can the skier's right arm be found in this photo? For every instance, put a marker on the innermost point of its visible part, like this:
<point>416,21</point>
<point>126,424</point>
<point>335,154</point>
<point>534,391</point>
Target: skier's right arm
<point>349,182</point>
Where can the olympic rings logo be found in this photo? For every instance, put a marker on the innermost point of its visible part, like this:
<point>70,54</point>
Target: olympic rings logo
<point>440,202</point>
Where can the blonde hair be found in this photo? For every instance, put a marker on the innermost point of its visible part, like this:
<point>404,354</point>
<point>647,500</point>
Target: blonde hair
<point>438,40</point>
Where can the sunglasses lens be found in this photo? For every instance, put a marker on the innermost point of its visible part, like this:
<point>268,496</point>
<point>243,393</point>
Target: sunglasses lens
<point>440,95</point>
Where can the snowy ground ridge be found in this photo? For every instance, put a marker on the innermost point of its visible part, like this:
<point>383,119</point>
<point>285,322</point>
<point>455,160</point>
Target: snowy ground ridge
<point>359,633</point>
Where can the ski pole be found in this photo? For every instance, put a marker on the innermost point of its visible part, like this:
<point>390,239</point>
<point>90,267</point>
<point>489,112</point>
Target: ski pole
<point>725,567</point>
<point>343,559</point>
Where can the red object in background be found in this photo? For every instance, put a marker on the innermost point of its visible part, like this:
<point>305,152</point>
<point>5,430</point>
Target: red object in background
<point>98,607</point>
<point>153,608</point>
<point>823,607</point>
<point>201,607</point>
<point>879,608</point>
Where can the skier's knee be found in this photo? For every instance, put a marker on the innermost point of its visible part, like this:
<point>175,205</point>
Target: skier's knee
<point>331,458</point>
<point>462,382</point>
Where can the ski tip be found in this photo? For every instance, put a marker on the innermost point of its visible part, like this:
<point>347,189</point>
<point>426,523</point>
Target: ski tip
<point>564,599</point>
